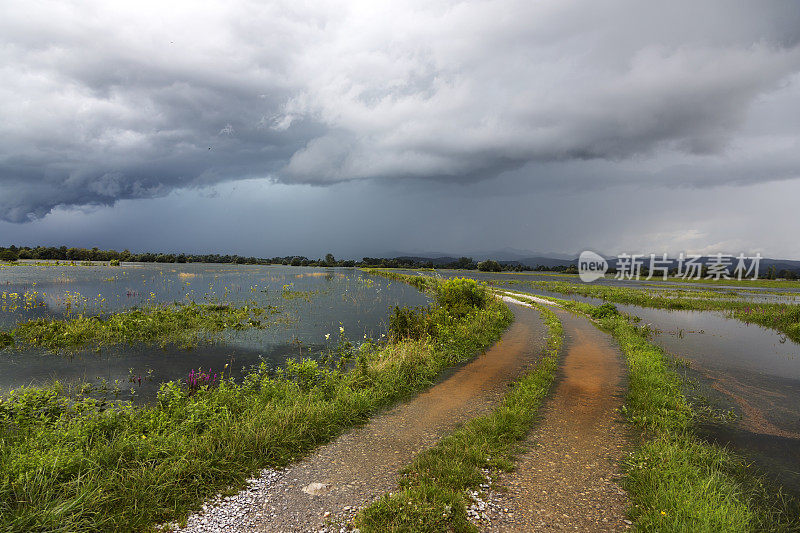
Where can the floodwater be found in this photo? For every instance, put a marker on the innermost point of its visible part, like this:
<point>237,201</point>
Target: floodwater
<point>326,299</point>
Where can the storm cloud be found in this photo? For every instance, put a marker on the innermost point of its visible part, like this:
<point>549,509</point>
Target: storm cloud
<point>108,101</point>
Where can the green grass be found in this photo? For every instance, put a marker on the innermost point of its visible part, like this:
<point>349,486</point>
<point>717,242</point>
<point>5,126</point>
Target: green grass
<point>184,324</point>
<point>432,489</point>
<point>782,317</point>
<point>71,463</point>
<point>422,283</point>
<point>676,481</point>
<point>773,283</point>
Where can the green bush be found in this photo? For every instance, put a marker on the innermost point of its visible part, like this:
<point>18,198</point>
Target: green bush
<point>604,311</point>
<point>6,339</point>
<point>114,263</point>
<point>460,296</point>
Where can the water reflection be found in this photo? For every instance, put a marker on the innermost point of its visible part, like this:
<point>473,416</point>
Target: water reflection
<point>314,302</point>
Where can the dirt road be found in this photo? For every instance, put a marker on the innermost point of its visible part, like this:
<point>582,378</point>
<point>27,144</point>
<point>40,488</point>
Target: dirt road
<point>567,479</point>
<point>363,464</point>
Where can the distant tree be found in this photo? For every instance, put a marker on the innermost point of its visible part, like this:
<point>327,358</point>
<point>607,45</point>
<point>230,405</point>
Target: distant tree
<point>464,263</point>
<point>8,255</point>
<point>489,265</point>
<point>330,260</point>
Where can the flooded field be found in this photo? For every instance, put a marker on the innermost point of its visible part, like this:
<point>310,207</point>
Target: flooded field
<point>313,305</point>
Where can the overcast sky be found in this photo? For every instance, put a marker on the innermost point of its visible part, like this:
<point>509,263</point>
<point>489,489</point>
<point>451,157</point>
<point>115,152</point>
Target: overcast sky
<point>365,128</point>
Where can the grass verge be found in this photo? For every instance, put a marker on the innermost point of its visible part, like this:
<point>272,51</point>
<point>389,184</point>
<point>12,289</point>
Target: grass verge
<point>432,490</point>
<point>77,464</point>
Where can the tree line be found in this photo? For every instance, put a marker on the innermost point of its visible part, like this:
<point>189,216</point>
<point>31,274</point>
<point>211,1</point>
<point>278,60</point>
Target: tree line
<point>63,253</point>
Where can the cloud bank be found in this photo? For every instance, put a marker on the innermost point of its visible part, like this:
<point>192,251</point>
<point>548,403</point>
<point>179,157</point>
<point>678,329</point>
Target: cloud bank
<point>107,101</point>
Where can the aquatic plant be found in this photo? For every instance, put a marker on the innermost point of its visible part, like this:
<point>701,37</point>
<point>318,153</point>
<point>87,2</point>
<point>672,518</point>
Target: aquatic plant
<point>604,311</point>
<point>288,293</point>
<point>199,380</point>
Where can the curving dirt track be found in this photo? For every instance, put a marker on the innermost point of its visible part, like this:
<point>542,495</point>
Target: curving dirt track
<point>361,465</point>
<point>567,479</point>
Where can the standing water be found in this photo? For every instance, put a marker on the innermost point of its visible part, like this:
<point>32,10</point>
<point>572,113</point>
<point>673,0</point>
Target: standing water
<point>318,307</point>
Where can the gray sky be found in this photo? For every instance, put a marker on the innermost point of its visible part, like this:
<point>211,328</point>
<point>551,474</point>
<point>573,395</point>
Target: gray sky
<point>364,128</point>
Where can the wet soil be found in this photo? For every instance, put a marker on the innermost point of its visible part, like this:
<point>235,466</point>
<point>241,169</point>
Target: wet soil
<point>568,478</point>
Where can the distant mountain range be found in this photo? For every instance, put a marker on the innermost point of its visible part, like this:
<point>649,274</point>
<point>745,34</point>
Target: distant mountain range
<point>532,259</point>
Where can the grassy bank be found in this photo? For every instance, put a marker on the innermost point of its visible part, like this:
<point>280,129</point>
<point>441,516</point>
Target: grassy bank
<point>432,490</point>
<point>183,324</point>
<point>76,464</point>
<point>676,282</point>
<point>676,481</point>
<point>782,317</point>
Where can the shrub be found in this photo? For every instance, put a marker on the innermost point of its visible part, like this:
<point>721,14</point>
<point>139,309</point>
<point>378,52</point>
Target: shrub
<point>6,339</point>
<point>460,295</point>
<point>604,311</point>
<point>114,263</point>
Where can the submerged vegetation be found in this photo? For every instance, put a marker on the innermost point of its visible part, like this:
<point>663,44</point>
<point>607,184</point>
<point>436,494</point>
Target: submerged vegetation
<point>782,317</point>
<point>183,324</point>
<point>432,489</point>
<point>288,292</point>
<point>73,463</point>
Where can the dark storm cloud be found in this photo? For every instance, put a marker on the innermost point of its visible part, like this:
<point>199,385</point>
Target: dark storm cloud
<point>109,101</point>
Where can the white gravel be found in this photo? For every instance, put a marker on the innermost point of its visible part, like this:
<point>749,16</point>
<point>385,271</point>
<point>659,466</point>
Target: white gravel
<point>230,513</point>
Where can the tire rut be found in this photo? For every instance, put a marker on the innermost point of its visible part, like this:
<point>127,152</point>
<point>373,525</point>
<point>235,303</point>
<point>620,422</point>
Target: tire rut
<point>568,478</point>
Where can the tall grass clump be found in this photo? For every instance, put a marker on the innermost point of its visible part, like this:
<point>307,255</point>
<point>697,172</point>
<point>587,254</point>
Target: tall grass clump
<point>432,495</point>
<point>74,463</point>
